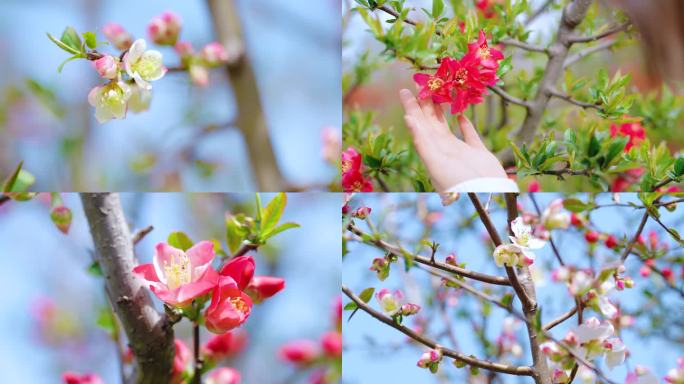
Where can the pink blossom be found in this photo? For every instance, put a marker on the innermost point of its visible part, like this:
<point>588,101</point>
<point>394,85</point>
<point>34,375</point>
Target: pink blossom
<point>261,288</point>
<point>180,361</point>
<point>332,344</point>
<point>430,360</point>
<point>223,375</point>
<point>165,28</point>
<point>362,212</point>
<point>229,308</point>
<point>117,35</point>
<point>225,345</point>
<point>184,49</point>
<point>178,277</point>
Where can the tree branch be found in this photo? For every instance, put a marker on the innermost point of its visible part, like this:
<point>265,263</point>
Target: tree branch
<point>149,334</point>
<point>251,119</point>
<point>523,45</point>
<point>610,31</point>
<point>472,361</point>
<point>398,251</point>
<point>606,44</point>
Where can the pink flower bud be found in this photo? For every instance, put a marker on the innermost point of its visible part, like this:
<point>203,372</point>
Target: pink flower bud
<point>117,35</point>
<point>75,378</point>
<point>107,67</point>
<point>165,28</point>
<point>180,361</point>
<point>61,216</point>
<point>332,344</point>
<point>214,54</point>
<point>184,49</point>
<point>263,287</point>
<point>299,352</point>
<point>362,212</point>
<point>226,345</point>
<point>620,284</point>
<point>644,271</point>
<point>450,259</point>
<point>410,309</point>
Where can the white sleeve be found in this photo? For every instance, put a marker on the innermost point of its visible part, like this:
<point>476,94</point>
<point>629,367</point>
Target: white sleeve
<point>486,184</point>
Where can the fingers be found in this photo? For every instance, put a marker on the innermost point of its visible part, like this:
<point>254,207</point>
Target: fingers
<point>470,134</point>
<point>410,104</point>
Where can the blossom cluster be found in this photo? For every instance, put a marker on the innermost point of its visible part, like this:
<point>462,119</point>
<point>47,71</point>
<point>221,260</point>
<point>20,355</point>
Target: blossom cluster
<point>519,252</point>
<point>129,75</point>
<point>353,179</point>
<point>180,277</point>
<point>462,82</point>
<point>324,355</point>
<point>394,304</point>
<point>591,340</point>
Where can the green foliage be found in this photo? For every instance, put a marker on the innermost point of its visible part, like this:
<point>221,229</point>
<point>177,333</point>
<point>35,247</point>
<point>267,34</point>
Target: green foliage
<point>180,240</point>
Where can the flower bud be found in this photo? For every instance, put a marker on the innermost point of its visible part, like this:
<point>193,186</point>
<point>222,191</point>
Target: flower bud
<point>165,28</point>
<point>214,54</point>
<point>430,360</point>
<point>450,259</point>
<point>299,352</point>
<point>332,344</point>
<point>75,378</point>
<point>184,49</point>
<point>261,288</point>
<point>410,309</point>
<point>591,236</point>
<point>223,375</point>
<point>611,241</point>
<point>199,75</point>
<point>118,36</point>
<point>225,345</point>
<point>362,212</point>
<point>107,67</point>
<point>61,216</point>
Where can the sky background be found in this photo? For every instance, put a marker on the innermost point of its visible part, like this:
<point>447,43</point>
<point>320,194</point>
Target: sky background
<point>376,353</point>
<point>295,51</point>
<point>37,261</point>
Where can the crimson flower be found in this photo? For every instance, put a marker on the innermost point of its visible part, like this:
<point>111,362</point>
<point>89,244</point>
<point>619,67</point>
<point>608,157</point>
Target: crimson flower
<point>437,86</point>
<point>352,172</point>
<point>299,352</point>
<point>635,132</point>
<point>178,277</point>
<point>489,57</point>
<point>468,86</point>
<point>225,345</point>
<point>229,308</point>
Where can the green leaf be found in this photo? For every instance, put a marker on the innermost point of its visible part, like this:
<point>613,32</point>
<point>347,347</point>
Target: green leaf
<point>94,269</point>
<point>575,205</point>
<point>679,166</point>
<point>437,8</point>
<point>106,321</point>
<point>8,185</point>
<point>271,215</point>
<point>350,306</point>
<point>90,39</point>
<point>367,294</point>
<point>71,39</point>
<point>180,240</point>
<point>235,233</point>
<point>63,46</point>
<point>281,228</point>
<point>259,209</point>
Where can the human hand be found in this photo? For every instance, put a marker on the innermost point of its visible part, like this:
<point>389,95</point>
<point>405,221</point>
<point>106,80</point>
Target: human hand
<point>448,159</point>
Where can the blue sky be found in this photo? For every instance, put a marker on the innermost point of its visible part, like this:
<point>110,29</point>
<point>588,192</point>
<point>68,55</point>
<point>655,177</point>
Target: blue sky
<point>37,261</point>
<point>295,52</point>
<point>390,359</point>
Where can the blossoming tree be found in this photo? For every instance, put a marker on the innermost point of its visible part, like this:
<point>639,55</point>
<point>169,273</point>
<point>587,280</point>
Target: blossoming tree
<point>527,75</point>
<point>559,294</point>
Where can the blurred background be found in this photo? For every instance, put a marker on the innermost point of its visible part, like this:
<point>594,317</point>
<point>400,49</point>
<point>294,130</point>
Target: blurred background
<point>52,304</point>
<point>46,121</point>
<point>377,353</point>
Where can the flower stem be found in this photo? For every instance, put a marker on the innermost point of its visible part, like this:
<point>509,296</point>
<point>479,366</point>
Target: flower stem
<point>197,375</point>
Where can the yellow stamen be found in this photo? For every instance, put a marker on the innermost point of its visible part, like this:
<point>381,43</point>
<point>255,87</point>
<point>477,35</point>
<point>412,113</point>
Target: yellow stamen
<point>435,83</point>
<point>177,270</point>
<point>239,304</point>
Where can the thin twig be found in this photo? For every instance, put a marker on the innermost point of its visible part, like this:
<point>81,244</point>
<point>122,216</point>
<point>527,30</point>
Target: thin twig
<point>569,99</point>
<point>139,235</point>
<point>608,32</point>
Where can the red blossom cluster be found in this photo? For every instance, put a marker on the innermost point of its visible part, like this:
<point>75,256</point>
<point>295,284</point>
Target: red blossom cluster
<point>353,179</point>
<point>462,82</point>
<point>635,132</point>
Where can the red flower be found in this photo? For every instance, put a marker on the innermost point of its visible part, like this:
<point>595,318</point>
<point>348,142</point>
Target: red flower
<point>635,132</point>
<point>611,241</point>
<point>223,375</point>
<point>533,186</point>
<point>591,236</point>
<point>486,7</point>
<point>300,352</point>
<point>229,308</point>
<point>263,287</point>
<point>75,378</point>
<point>468,85</point>
<point>240,269</point>
<point>352,172</point>
<point>489,57</point>
<point>437,86</point>
<point>225,345</point>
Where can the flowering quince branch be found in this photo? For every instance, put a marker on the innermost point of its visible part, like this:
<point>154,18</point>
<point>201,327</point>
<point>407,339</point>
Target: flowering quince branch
<point>556,360</point>
<point>497,367</point>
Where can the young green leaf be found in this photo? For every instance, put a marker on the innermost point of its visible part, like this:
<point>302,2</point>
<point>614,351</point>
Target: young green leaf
<point>90,39</point>
<point>272,213</point>
<point>71,39</point>
<point>8,185</point>
<point>235,233</point>
<point>63,46</point>
<point>367,294</point>
<point>180,240</point>
<point>280,228</point>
